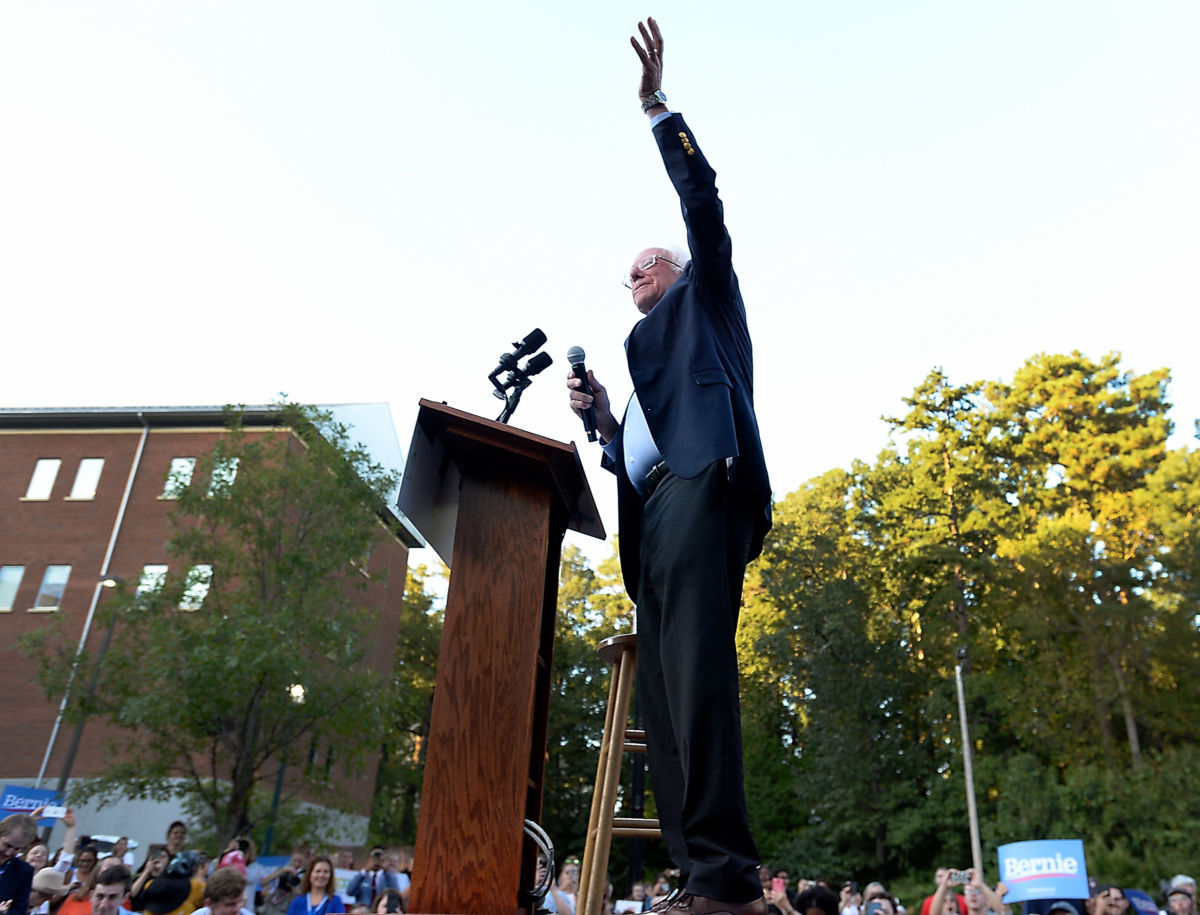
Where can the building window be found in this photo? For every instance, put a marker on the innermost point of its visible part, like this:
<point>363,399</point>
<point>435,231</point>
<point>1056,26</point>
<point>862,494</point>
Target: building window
<point>223,474</point>
<point>44,475</point>
<point>179,477</point>
<point>198,579</point>
<point>152,578</point>
<point>54,583</point>
<point>87,478</point>
<point>10,581</point>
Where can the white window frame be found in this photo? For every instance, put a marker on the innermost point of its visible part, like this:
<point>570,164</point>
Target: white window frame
<point>10,580</point>
<point>87,480</point>
<point>179,477</point>
<point>41,484</point>
<point>152,578</point>
<point>199,580</point>
<point>38,606</point>
<point>224,472</point>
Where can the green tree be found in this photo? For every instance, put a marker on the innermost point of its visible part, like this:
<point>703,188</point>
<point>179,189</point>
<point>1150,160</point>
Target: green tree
<point>208,702</point>
<point>1084,437</point>
<point>402,759</point>
<point>1042,524</point>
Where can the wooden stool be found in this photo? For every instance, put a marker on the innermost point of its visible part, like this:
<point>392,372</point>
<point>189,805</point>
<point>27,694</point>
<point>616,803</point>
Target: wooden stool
<point>603,824</point>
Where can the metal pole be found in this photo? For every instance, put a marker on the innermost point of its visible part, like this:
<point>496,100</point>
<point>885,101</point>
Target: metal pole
<point>87,623</point>
<point>972,814</point>
<point>270,835</point>
<point>89,695</point>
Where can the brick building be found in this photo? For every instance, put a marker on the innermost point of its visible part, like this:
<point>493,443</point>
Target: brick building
<point>84,495</point>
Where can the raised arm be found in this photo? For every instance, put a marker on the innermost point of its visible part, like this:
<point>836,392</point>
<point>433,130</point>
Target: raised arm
<point>68,846</point>
<point>694,179</point>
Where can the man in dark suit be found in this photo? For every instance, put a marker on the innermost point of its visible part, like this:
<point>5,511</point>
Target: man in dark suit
<point>372,879</point>
<point>17,831</point>
<point>695,503</point>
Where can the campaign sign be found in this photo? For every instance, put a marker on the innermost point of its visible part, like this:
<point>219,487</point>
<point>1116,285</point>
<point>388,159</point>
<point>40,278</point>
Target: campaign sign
<point>26,800</point>
<point>341,880</point>
<point>1046,869</point>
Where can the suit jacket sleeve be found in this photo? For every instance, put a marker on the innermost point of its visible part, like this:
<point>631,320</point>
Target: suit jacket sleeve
<point>18,880</point>
<point>703,213</point>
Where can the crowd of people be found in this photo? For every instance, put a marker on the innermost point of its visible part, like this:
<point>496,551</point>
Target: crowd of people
<point>953,892</point>
<point>81,876</point>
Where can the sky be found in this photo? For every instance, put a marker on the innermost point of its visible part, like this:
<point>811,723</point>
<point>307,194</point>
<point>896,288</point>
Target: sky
<point>222,202</point>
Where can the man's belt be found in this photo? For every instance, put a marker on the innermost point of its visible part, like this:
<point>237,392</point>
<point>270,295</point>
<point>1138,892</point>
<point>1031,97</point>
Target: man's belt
<point>654,476</point>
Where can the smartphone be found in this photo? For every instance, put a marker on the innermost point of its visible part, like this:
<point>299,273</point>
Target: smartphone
<point>778,885</point>
<point>55,811</point>
<point>958,878</point>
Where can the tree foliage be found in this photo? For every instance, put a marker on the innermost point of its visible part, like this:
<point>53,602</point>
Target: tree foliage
<point>402,759</point>
<point>1042,524</point>
<point>208,703</point>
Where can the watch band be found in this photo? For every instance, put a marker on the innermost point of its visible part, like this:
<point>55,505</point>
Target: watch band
<point>656,98</point>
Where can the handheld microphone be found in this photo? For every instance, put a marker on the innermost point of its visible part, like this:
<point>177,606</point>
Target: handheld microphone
<point>575,356</point>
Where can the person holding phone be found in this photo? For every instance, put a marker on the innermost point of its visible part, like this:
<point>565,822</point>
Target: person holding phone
<point>373,879</point>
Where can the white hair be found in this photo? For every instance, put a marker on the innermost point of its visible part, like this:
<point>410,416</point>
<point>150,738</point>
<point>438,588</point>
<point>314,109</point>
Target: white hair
<point>677,254</point>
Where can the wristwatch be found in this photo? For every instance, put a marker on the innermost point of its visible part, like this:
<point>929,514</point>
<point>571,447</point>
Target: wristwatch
<point>656,98</point>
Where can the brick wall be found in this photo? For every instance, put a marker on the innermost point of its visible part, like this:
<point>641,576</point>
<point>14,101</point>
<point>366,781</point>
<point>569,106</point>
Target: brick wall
<point>60,531</point>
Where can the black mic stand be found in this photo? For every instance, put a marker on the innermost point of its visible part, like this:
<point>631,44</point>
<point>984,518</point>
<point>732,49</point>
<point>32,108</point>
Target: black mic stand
<point>518,381</point>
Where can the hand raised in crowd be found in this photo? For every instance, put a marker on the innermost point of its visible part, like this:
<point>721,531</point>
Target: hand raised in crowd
<point>651,56</point>
<point>779,899</point>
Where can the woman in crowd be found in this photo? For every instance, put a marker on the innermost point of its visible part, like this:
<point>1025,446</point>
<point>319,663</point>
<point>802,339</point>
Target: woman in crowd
<point>568,880</point>
<point>175,891</point>
<point>84,867</point>
<point>36,856</point>
<point>318,894</point>
<point>79,900</point>
<point>155,865</point>
<point>386,903</point>
<point>121,850</point>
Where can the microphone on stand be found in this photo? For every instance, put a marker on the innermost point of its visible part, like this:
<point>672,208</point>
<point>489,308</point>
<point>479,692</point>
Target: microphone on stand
<point>531,344</point>
<point>537,363</point>
<point>575,356</point>
<point>518,378</point>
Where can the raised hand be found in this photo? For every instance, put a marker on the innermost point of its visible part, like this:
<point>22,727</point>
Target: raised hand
<point>651,56</point>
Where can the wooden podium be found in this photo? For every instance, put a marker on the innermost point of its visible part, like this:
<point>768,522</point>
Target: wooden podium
<point>494,502</point>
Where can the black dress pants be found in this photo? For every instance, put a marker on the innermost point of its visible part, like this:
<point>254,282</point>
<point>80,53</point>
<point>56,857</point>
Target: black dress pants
<point>695,542</point>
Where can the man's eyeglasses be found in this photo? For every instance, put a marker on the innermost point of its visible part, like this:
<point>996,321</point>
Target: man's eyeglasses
<point>645,265</point>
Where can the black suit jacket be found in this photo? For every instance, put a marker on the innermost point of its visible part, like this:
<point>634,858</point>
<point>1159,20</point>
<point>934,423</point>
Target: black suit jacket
<point>14,884</point>
<point>691,360</point>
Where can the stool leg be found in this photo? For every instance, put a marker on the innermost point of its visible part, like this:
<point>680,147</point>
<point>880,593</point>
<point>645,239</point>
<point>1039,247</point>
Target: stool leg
<point>612,749</point>
<point>585,882</point>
